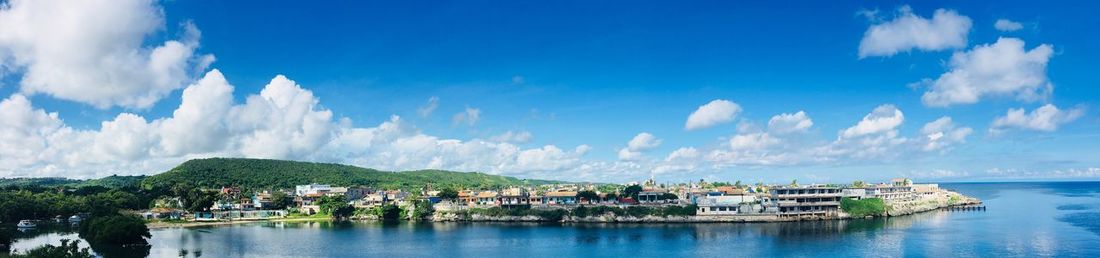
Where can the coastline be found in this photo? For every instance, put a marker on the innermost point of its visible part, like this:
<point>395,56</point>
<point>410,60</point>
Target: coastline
<point>159,225</point>
<point>894,211</point>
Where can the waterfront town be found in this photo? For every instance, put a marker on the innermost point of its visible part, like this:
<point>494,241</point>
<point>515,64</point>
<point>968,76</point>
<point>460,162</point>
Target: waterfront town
<point>703,202</point>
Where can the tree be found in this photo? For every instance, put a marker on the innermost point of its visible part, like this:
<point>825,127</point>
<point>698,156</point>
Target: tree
<point>422,209</point>
<point>280,200</point>
<point>612,196</point>
<point>199,200</point>
<point>388,212</point>
<point>115,230</point>
<point>738,184</point>
<point>632,191</point>
<point>448,194</point>
<point>336,206</point>
<point>859,184</point>
<point>669,196</point>
<point>67,249</point>
<point>580,212</point>
<point>794,183</point>
<point>588,195</point>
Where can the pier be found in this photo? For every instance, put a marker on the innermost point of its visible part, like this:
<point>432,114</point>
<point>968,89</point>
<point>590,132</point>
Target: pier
<point>966,208</point>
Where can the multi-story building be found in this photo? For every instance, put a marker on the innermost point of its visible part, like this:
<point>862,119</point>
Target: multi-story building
<point>802,201</point>
<point>311,189</point>
<point>514,198</point>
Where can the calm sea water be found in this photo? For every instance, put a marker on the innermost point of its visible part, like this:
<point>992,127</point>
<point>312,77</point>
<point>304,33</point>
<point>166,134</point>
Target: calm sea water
<point>1022,220</point>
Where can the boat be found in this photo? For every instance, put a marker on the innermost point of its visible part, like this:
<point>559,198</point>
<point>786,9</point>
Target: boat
<point>26,224</point>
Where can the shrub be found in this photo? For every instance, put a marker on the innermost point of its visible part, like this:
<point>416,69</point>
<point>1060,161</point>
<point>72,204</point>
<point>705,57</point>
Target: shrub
<point>864,207</point>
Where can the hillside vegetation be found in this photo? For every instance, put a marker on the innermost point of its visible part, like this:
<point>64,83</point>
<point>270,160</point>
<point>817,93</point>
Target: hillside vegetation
<point>107,182</point>
<point>281,174</point>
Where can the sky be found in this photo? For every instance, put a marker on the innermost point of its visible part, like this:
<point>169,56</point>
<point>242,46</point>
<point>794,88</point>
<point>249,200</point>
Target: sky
<point>605,91</point>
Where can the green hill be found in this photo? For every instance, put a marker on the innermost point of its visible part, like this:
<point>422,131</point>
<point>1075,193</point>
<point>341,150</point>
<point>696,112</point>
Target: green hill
<point>108,182</point>
<point>281,174</point>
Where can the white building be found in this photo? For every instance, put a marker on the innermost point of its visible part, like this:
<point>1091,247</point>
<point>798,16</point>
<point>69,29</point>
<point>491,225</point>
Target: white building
<point>312,189</point>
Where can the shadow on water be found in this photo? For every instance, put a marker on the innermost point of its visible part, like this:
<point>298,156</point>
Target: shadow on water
<point>122,252</point>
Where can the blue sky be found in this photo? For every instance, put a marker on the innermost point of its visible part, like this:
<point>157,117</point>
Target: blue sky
<point>572,74</point>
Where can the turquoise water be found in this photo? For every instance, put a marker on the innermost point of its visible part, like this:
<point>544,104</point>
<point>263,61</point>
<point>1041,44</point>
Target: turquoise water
<point>1022,220</point>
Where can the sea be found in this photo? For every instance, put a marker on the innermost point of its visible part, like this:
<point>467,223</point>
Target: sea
<point>1020,219</point>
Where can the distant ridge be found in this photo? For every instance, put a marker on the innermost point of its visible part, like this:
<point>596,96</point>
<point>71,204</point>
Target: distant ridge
<point>283,174</point>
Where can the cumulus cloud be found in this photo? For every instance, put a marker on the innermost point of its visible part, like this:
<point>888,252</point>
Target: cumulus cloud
<point>716,112</point>
<point>874,136</point>
<point>752,141</point>
<point>1007,25</point>
<point>640,143</point>
<point>942,133</point>
<point>883,118</point>
<point>94,52</point>
<point>1003,68</point>
<point>1046,118</point>
<point>680,160</point>
<point>283,121</point>
<point>945,30</point>
<point>643,141</point>
<point>790,123</point>
<point>470,116</point>
<point>428,108</point>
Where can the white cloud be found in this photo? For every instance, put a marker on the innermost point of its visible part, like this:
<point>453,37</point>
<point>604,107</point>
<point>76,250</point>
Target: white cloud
<point>283,121</point>
<point>429,107</point>
<point>1007,25</point>
<point>883,119</point>
<point>198,125</point>
<point>753,141</point>
<point>999,173</point>
<point>636,146</point>
<point>643,141</point>
<point>93,51</point>
<point>942,133</point>
<point>716,112</point>
<point>470,116</point>
<point>875,136</point>
<point>936,174</point>
<point>1046,118</point>
<point>684,159</point>
<point>512,137</point>
<point>1004,68</point>
<point>790,123</point>
<point>945,30</point>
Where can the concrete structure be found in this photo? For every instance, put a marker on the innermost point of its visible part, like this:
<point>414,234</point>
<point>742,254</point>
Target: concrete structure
<point>803,201</point>
<point>486,198</point>
<point>728,205</point>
